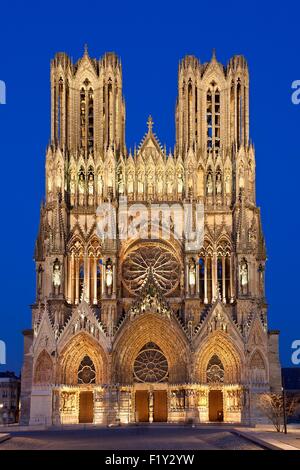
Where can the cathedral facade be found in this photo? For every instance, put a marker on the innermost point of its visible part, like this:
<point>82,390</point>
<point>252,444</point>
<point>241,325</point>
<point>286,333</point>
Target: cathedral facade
<point>150,297</point>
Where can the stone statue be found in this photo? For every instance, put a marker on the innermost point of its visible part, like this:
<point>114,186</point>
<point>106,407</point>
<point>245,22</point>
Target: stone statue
<point>227,184</point>
<point>91,185</point>
<point>56,276</point>
<point>130,183</point>
<point>244,277</point>
<point>100,186</point>
<point>121,184</point>
<point>91,190</point>
<point>180,183</point>
<point>81,189</point>
<point>72,188</point>
<point>140,184</point>
<point>218,184</point>
<point>160,185</point>
<point>192,276</point>
<point>170,184</point>
<point>209,185</point>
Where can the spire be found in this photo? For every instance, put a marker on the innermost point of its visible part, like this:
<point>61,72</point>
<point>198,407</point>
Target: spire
<point>150,124</point>
<point>214,57</point>
<point>86,50</point>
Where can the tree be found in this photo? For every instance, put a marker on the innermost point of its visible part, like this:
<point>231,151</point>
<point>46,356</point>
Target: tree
<point>272,406</point>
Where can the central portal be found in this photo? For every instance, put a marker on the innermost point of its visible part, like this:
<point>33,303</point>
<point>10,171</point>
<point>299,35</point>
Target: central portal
<point>215,400</point>
<point>143,404</point>
<point>86,407</point>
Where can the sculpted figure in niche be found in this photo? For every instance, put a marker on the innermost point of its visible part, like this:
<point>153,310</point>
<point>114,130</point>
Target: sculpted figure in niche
<point>72,187</point>
<point>130,183</point>
<point>160,185</point>
<point>100,186</point>
<point>56,276</point>
<point>81,187</point>
<point>219,184</point>
<point>150,185</point>
<point>170,184</point>
<point>179,183</point>
<point>140,183</point>
<point>209,185</point>
<point>91,189</point>
<point>244,277</point>
<point>121,184</point>
<point>227,182</point>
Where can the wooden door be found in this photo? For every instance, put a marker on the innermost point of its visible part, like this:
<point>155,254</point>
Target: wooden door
<point>215,400</point>
<point>160,406</point>
<point>142,406</point>
<point>86,407</point>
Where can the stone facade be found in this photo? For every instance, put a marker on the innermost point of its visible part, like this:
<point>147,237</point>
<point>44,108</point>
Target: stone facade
<point>144,324</point>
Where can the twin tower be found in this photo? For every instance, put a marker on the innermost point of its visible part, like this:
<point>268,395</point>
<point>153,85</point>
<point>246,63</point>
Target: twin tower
<point>88,107</point>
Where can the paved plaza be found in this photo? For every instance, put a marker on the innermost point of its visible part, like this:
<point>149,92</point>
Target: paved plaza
<point>129,438</point>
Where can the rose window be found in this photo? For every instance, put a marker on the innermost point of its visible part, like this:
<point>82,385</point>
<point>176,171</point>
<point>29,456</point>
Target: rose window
<point>150,365</point>
<point>163,264</point>
<point>215,370</point>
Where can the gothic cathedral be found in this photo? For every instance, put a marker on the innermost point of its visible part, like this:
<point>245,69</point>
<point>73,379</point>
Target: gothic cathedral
<point>129,324</point>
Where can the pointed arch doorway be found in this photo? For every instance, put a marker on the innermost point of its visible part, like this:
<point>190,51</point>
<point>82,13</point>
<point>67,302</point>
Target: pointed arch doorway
<point>86,376</point>
<point>150,372</point>
<point>215,377</point>
<point>215,403</point>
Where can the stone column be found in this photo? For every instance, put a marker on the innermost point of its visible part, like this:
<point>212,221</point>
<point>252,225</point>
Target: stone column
<point>69,280</point>
<point>231,278</point>
<point>114,286</point>
<point>103,278</point>
<point>72,274</point>
<point>224,279</point>
<point>95,281</point>
<point>197,278</point>
<point>205,281</point>
<point>87,280</point>
<point>214,272</point>
<point>76,280</point>
<point>186,277</point>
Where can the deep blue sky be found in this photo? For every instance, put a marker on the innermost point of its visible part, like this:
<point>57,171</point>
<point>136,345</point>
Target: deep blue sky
<point>150,38</point>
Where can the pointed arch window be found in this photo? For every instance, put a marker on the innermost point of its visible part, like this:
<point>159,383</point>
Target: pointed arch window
<point>215,370</point>
<point>99,281</point>
<point>201,277</point>
<point>81,278</point>
<point>213,117</point>
<point>59,109</point>
<point>86,117</point>
<point>86,371</point>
